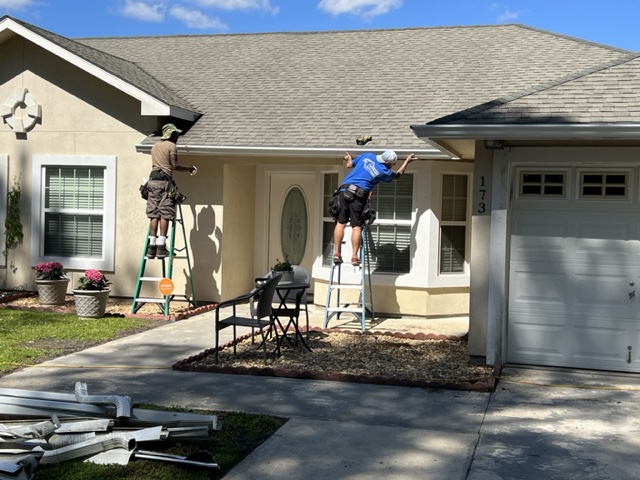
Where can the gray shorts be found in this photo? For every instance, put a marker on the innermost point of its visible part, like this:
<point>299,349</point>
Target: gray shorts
<point>159,205</point>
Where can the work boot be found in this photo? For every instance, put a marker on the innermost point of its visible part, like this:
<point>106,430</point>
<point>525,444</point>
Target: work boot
<point>151,252</point>
<point>162,252</point>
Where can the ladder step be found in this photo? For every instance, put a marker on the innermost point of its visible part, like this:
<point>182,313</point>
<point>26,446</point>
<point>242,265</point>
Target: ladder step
<point>345,309</point>
<point>346,286</point>
<point>150,279</point>
<point>150,300</point>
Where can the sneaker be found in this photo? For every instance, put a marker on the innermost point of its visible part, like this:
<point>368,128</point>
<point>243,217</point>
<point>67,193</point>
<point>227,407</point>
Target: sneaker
<point>162,251</point>
<point>151,251</point>
<point>337,258</point>
<point>355,261</point>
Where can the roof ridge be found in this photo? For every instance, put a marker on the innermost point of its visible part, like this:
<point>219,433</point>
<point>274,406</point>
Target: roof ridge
<point>571,37</point>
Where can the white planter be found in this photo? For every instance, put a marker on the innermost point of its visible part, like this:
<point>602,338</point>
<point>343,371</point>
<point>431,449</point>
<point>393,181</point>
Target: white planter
<point>91,303</point>
<point>286,277</point>
<point>52,292</point>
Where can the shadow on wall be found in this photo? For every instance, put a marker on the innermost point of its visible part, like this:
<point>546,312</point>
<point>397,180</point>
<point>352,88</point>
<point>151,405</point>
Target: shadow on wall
<point>205,240</point>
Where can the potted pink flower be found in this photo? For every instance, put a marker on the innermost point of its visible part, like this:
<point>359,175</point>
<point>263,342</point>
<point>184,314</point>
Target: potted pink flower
<point>51,283</point>
<point>92,294</point>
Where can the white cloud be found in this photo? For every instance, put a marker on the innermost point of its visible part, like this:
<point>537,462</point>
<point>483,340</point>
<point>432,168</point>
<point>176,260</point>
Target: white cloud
<point>366,8</point>
<point>145,11</point>
<point>509,16</point>
<point>240,5</point>
<point>196,19</point>
<point>16,4</point>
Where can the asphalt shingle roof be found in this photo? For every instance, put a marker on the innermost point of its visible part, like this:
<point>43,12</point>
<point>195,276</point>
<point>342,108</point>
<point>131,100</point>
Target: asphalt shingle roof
<point>607,93</point>
<point>324,89</point>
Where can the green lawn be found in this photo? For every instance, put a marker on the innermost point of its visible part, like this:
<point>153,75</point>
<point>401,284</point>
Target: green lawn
<point>28,338</point>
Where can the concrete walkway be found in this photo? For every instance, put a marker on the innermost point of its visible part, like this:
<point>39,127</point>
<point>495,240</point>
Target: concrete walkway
<point>538,424</point>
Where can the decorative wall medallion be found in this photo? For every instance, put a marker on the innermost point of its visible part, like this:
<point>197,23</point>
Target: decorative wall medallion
<point>20,111</point>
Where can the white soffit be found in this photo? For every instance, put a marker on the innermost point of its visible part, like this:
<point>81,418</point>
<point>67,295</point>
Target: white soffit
<point>149,104</point>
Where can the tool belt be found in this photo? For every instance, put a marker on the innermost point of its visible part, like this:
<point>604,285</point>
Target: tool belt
<point>160,175</point>
<point>352,191</point>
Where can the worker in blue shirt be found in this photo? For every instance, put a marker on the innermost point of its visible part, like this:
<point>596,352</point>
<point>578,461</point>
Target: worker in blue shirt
<point>367,171</point>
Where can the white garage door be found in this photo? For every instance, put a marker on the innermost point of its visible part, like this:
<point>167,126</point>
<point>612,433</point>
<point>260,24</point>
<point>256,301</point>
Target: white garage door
<point>575,269</point>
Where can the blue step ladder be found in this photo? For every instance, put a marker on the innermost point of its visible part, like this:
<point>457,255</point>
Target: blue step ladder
<point>364,306</point>
<point>164,301</point>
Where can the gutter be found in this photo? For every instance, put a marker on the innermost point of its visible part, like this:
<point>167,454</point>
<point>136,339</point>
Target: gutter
<point>424,153</point>
<point>546,131</point>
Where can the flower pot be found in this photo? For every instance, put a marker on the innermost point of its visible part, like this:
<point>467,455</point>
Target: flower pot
<point>52,292</point>
<point>285,277</point>
<point>91,303</point>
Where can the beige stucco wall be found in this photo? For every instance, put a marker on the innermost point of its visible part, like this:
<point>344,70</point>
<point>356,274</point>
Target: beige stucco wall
<point>431,302</point>
<point>80,116</point>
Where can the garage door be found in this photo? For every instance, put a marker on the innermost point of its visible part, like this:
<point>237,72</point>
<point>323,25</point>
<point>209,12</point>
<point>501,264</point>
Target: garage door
<point>575,269</point>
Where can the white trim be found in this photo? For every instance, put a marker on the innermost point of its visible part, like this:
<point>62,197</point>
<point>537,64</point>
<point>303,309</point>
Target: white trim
<point>150,105</point>
<point>498,253</point>
<point>4,188</point>
<point>569,131</point>
<point>106,263</point>
<point>336,153</point>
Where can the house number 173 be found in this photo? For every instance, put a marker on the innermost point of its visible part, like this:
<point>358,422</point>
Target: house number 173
<point>482,194</point>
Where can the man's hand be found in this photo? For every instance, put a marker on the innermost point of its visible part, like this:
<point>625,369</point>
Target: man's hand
<point>411,158</point>
<point>348,158</point>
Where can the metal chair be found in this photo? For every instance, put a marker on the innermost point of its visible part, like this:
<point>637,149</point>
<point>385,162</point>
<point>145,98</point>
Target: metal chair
<point>260,316</point>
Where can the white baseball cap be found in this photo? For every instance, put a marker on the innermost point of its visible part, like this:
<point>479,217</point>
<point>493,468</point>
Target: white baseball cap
<point>388,156</point>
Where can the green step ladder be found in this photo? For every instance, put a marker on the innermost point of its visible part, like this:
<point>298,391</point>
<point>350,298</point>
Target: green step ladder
<point>164,301</point>
<point>363,308</point>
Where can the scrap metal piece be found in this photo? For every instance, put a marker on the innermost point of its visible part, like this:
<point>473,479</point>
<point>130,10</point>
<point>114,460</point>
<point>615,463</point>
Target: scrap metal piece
<point>122,403</point>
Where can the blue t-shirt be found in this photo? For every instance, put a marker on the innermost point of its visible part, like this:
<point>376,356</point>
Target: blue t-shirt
<point>367,172</point>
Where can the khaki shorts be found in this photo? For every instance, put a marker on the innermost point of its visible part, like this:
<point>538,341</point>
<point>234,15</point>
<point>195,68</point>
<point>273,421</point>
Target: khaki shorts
<point>159,205</point>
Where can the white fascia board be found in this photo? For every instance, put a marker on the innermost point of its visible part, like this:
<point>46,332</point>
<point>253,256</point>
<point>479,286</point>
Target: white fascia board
<point>426,153</point>
<point>150,105</point>
<point>547,131</point>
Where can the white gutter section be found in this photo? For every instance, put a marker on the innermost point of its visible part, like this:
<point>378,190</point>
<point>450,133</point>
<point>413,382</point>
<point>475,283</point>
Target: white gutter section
<point>122,403</point>
<point>149,104</point>
<point>547,131</point>
<point>423,153</point>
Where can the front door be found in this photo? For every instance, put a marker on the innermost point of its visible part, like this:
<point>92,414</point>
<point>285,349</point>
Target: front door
<point>291,218</point>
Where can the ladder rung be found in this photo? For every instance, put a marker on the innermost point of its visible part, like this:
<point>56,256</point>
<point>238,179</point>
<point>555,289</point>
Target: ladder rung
<point>149,300</point>
<point>150,279</point>
<point>345,309</point>
<point>347,286</point>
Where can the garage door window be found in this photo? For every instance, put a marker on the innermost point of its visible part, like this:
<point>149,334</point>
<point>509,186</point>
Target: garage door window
<point>604,185</point>
<point>539,184</point>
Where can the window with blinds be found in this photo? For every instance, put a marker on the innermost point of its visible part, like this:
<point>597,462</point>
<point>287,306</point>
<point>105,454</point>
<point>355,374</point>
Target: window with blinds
<point>390,233</point>
<point>453,223</point>
<point>330,184</point>
<point>74,211</point>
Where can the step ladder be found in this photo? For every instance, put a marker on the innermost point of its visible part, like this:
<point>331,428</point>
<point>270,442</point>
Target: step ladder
<point>164,301</point>
<point>363,308</point>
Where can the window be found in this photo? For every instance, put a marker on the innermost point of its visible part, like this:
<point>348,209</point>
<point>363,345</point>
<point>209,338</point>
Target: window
<point>73,217</point>
<point>604,185</point>
<point>330,184</point>
<point>390,233</point>
<point>453,223</point>
<point>538,184</point>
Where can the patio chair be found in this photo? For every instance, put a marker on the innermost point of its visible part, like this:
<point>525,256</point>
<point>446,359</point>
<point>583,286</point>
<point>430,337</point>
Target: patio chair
<point>300,275</point>
<point>260,314</point>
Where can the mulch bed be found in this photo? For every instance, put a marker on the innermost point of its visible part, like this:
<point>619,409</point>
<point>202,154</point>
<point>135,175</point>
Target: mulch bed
<point>381,358</point>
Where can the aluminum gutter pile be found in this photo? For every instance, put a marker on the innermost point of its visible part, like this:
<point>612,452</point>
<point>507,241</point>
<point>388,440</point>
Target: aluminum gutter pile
<point>46,427</point>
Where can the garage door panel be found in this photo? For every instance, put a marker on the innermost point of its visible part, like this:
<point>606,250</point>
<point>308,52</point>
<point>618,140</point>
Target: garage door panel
<point>574,268</point>
<point>540,287</point>
<point>533,340</point>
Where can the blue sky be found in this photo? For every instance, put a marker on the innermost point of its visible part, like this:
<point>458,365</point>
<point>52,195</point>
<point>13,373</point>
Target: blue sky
<point>613,23</point>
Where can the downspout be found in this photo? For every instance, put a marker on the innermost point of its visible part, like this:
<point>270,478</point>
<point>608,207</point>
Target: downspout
<point>122,403</point>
